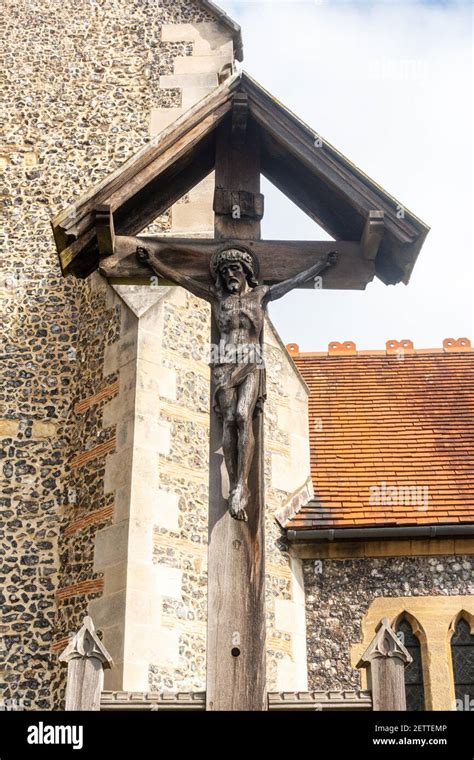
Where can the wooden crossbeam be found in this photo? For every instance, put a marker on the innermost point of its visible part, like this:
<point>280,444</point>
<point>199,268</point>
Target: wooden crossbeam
<point>278,259</point>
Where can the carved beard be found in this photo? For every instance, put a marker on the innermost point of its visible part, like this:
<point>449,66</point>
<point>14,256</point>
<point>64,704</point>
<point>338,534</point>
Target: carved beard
<point>233,286</point>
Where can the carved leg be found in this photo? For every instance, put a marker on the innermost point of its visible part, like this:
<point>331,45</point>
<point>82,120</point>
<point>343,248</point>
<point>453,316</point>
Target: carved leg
<point>227,402</point>
<point>244,417</point>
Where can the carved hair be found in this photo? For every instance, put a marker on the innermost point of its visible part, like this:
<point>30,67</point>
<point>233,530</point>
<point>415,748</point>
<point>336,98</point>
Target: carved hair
<point>245,257</point>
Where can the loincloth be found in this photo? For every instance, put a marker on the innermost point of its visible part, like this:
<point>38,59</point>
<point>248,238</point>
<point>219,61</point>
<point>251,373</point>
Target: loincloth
<point>228,376</point>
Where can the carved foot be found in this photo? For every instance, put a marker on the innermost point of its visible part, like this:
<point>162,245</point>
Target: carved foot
<point>238,501</point>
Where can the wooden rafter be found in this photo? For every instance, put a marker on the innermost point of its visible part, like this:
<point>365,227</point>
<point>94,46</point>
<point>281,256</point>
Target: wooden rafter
<point>310,171</point>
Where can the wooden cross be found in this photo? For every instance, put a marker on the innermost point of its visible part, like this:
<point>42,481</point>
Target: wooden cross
<point>241,131</point>
<point>236,641</point>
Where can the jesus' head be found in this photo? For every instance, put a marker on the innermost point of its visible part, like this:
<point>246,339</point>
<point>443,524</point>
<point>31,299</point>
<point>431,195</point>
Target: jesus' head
<point>234,268</point>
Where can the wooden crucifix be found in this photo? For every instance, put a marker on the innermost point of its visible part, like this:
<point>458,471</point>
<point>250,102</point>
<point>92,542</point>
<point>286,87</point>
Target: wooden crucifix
<point>226,272</point>
<point>239,130</point>
<point>238,274</point>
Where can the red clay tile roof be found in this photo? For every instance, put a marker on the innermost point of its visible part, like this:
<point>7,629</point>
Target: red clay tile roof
<point>396,419</point>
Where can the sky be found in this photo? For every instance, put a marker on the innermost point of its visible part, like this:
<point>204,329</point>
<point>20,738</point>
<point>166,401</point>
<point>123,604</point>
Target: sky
<point>389,84</point>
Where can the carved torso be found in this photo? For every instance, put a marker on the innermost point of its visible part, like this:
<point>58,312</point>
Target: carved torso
<point>240,317</point>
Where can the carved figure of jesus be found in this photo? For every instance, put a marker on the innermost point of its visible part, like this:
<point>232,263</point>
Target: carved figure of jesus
<point>238,305</point>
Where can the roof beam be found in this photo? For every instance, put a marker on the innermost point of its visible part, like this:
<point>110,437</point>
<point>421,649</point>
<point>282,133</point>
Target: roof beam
<point>104,225</point>
<point>372,235</point>
<point>240,113</point>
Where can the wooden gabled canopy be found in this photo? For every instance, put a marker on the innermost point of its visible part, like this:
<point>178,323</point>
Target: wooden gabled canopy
<point>385,236</point>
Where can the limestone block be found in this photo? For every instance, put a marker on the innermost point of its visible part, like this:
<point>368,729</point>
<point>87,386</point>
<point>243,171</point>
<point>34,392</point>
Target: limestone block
<point>145,464</point>
<point>151,321</point>
<point>293,418</point>
<point>146,403</point>
<point>127,383</point>
<point>300,650</point>
<point>167,647</point>
<point>152,378</point>
<point>178,296</point>
<point>197,216</point>
<point>204,190</point>
<point>111,411</point>
<point>111,358</point>
<point>113,640</point>
<point>124,434</point>
<point>289,617</point>
<point>167,383</point>
<point>128,347</point>
<point>151,434</point>
<point>160,118</point>
<point>200,64</point>
<point>168,581</point>
<point>148,347</point>
<point>144,607</point>
<point>141,575</point>
<point>118,469</point>
<point>165,510</point>
<point>271,339</point>
<point>192,94</point>
<point>140,538</point>
<point>108,611</point>
<point>139,299</point>
<point>291,676</point>
<point>147,644</point>
<point>128,319</point>
<point>218,45</point>
<point>297,582</point>
<point>203,33</point>
<point>145,496</point>
<point>300,462</point>
<point>284,418</point>
<point>111,546</point>
<point>182,81</point>
<point>135,676</point>
<point>282,476</point>
<point>114,677</point>
<point>115,578</point>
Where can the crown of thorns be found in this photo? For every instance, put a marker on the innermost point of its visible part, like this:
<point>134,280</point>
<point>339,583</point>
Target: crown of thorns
<point>233,254</point>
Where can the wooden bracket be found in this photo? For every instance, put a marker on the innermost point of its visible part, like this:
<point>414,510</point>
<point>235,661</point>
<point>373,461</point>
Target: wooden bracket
<point>372,235</point>
<point>238,203</point>
<point>240,112</point>
<point>104,225</point>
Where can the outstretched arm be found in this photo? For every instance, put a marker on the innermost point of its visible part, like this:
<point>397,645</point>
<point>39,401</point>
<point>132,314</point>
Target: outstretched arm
<point>282,288</point>
<point>163,270</point>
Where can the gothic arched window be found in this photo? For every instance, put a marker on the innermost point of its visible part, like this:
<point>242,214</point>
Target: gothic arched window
<point>462,651</point>
<point>414,689</point>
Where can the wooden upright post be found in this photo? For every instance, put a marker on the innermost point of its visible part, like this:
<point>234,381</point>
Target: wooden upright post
<point>386,659</point>
<point>236,568</point>
<point>86,657</point>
